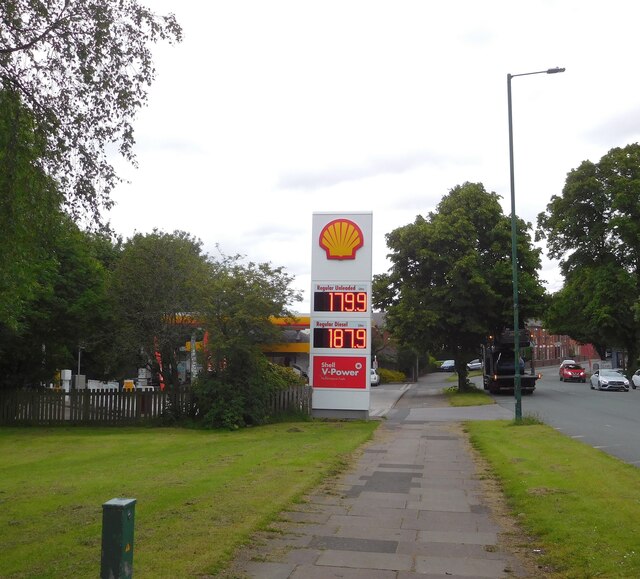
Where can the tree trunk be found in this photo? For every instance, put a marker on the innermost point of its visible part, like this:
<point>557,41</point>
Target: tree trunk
<point>632,358</point>
<point>461,369</point>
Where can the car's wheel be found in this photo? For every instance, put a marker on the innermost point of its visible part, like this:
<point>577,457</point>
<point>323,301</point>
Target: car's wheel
<point>591,386</point>
<point>560,378</point>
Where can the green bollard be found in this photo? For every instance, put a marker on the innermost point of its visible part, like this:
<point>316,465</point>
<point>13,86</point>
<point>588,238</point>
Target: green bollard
<point>118,516</point>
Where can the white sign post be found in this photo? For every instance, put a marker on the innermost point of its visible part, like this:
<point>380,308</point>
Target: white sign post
<point>340,356</point>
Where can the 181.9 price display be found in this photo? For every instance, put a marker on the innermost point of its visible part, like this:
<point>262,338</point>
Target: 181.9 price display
<point>340,301</point>
<point>340,338</point>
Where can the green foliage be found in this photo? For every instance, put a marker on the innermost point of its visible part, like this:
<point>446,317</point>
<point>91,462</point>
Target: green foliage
<point>82,69</point>
<point>450,284</point>
<point>433,363</point>
<point>241,299</point>
<point>388,376</point>
<point>29,213</point>
<point>69,310</point>
<point>597,214</point>
<point>157,280</point>
<point>594,229</point>
<point>237,393</point>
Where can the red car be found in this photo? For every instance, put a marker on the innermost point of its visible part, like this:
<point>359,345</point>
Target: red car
<point>571,372</point>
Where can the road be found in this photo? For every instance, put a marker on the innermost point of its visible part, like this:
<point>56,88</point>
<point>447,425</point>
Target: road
<point>609,421</point>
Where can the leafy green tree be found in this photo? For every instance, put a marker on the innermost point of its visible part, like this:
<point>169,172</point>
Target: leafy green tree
<point>82,69</point>
<point>29,212</point>
<point>450,284</point>
<point>241,299</point>
<point>594,229</point>
<point>68,309</point>
<point>158,285</point>
<point>593,306</point>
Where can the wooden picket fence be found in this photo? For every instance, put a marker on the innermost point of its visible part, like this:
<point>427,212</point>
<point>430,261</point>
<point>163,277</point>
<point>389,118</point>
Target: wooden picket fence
<point>294,399</point>
<point>108,407</point>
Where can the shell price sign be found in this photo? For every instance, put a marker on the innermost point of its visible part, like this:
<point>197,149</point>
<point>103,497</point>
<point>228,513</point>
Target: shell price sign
<point>341,314</point>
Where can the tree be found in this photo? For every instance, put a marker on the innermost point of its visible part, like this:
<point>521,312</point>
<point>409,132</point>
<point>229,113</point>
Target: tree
<point>450,281</point>
<point>82,69</point>
<point>593,307</point>
<point>158,286</point>
<point>241,300</point>
<point>29,212</point>
<point>594,229</point>
<point>68,309</point>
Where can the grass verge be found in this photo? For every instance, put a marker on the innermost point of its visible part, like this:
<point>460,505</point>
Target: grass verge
<point>581,505</point>
<point>472,397</point>
<point>200,494</point>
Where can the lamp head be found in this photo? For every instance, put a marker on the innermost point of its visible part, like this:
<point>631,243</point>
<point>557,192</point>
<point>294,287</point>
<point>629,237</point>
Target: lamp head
<point>555,70</point>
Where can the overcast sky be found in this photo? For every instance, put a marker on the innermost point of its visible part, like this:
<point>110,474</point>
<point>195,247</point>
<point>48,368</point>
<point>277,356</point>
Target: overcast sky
<point>271,110</point>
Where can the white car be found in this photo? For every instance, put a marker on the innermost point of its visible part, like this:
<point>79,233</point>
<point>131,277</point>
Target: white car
<point>474,365</point>
<point>606,379</point>
<point>375,377</point>
<point>635,379</point>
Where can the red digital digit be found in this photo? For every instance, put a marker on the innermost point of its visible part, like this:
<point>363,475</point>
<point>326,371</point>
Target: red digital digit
<point>361,338</point>
<point>336,339</point>
<point>350,332</point>
<point>349,302</point>
<point>361,302</point>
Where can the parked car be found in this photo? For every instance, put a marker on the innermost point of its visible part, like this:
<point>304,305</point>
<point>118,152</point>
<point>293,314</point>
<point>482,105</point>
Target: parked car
<point>635,379</point>
<point>572,372</point>
<point>375,377</point>
<point>606,379</point>
<point>448,366</point>
<point>474,365</point>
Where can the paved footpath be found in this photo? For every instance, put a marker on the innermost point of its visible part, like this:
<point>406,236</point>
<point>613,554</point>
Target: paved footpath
<point>412,505</point>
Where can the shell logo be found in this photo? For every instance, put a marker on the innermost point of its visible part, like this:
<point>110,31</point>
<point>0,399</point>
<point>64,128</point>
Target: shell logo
<point>341,238</point>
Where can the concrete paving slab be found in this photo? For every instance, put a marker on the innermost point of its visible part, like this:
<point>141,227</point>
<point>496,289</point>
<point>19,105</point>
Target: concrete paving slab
<point>359,560</point>
<point>372,532</point>
<point>460,537</point>
<point>270,570</point>
<point>352,544</point>
<point>462,566</point>
<point>439,549</point>
<point>325,572</point>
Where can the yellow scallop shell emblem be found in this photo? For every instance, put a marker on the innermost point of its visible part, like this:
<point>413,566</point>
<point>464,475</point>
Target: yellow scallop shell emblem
<point>341,239</point>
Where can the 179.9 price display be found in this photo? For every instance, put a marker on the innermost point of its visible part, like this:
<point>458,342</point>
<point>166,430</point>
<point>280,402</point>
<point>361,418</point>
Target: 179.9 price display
<point>340,301</point>
<point>340,338</point>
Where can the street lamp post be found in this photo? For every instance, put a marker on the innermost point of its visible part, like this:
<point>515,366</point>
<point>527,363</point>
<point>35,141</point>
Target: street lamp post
<point>514,246</point>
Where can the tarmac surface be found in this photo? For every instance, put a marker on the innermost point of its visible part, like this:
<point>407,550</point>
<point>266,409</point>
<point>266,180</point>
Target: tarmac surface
<point>412,505</point>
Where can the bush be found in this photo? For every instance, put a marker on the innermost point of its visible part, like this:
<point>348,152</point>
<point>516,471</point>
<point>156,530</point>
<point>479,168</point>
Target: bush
<point>238,394</point>
<point>387,376</point>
